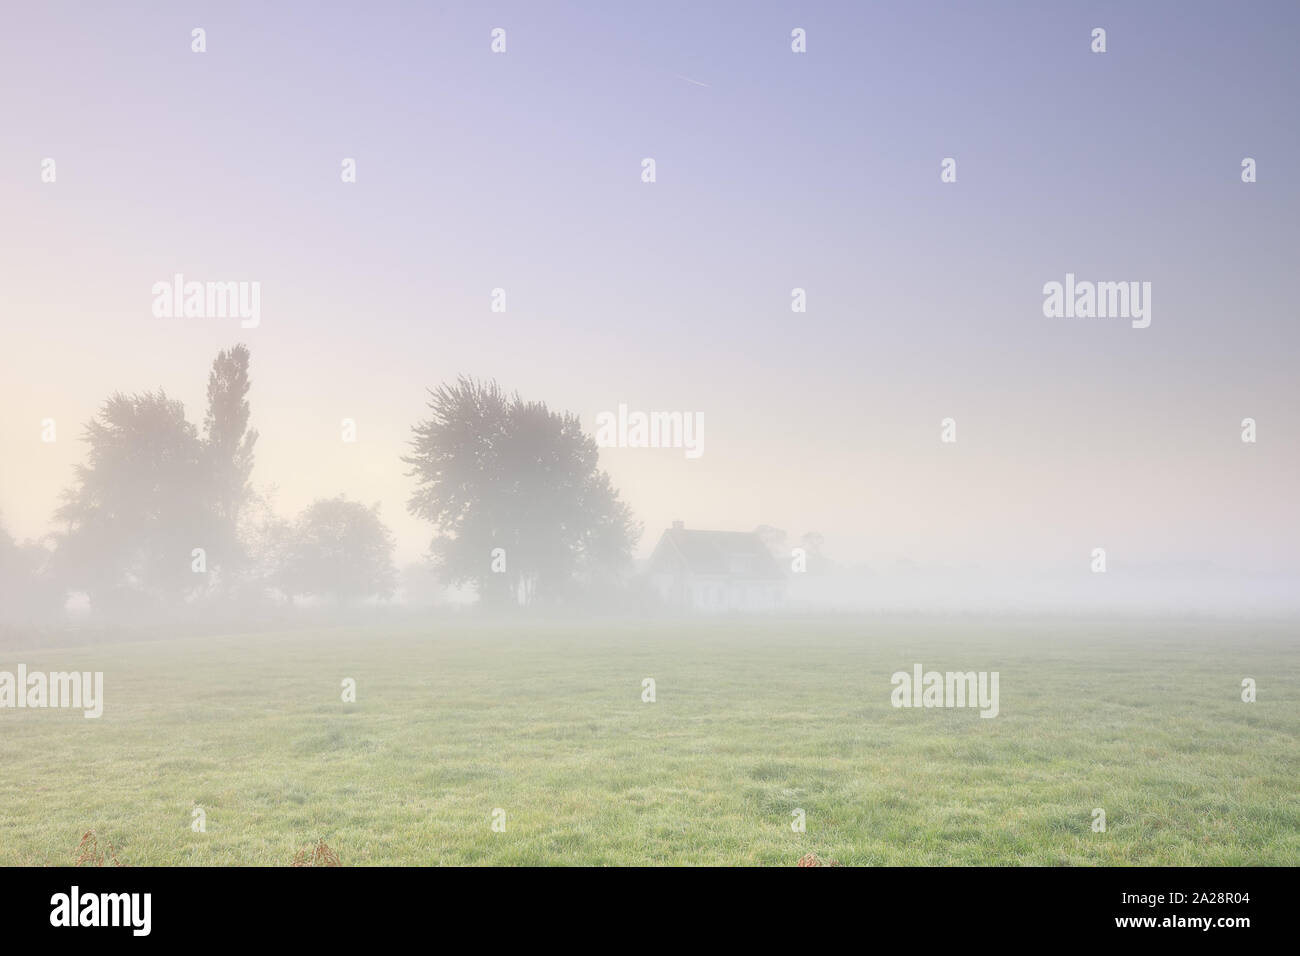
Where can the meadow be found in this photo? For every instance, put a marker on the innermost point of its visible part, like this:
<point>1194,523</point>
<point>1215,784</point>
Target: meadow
<point>753,719</point>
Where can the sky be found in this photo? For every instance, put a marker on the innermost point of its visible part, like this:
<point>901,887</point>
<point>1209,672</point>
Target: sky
<point>775,170</point>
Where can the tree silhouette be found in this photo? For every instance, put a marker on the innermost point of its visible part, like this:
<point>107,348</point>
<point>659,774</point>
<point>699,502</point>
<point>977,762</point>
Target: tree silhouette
<point>139,505</point>
<point>340,549</point>
<point>27,592</point>
<point>152,491</point>
<point>228,452</point>
<point>495,472</point>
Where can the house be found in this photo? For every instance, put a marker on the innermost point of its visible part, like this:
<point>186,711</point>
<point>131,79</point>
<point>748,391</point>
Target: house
<point>714,571</point>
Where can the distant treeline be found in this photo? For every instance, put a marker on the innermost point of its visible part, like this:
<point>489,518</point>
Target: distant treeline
<point>161,522</point>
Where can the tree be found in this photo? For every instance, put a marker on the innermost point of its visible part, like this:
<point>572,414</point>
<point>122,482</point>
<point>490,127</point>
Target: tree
<point>27,593</point>
<point>340,549</point>
<point>139,506</point>
<point>515,495</point>
<point>152,491</point>
<point>228,450</point>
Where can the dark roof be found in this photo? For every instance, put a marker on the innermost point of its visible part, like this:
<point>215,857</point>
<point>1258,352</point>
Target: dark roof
<point>735,554</point>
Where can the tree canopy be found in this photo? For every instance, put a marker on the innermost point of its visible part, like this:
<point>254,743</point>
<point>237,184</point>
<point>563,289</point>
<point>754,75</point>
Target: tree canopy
<point>516,496</point>
<point>338,549</point>
<point>152,490</point>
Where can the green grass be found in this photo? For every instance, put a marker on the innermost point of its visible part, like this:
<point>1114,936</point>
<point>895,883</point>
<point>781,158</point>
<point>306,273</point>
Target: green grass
<point>753,719</point>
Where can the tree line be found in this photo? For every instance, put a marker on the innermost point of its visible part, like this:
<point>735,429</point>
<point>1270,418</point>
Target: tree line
<point>162,514</point>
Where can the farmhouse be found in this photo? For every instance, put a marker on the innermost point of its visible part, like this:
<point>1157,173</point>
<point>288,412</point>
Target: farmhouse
<point>714,571</point>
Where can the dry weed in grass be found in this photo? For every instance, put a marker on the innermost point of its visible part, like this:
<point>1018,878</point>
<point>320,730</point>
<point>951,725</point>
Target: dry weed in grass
<point>812,859</point>
<point>89,853</point>
<point>322,855</point>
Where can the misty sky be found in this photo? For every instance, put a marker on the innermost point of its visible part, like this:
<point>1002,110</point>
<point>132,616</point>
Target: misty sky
<point>774,170</point>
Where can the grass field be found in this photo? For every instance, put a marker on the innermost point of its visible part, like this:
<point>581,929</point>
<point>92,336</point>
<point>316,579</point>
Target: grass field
<point>752,720</point>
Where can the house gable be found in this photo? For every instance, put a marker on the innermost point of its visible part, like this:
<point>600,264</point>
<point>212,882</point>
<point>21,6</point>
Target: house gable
<point>715,570</point>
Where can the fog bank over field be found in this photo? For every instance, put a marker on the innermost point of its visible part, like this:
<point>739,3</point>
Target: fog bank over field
<point>891,306</point>
<point>1052,591</point>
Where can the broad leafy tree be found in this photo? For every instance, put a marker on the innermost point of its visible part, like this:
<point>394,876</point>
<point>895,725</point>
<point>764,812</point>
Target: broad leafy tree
<point>139,505</point>
<point>516,496</point>
<point>340,550</point>
<point>153,492</point>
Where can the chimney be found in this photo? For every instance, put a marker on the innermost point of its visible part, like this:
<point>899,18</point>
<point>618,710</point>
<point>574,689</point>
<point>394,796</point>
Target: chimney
<point>679,526</point>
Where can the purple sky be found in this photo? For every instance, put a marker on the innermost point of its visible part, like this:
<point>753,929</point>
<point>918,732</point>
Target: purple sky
<point>775,170</point>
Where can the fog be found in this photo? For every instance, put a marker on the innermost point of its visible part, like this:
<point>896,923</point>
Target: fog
<point>164,530</point>
<point>993,369</point>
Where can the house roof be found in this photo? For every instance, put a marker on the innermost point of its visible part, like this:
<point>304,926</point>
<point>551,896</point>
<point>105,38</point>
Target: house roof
<point>732,554</point>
